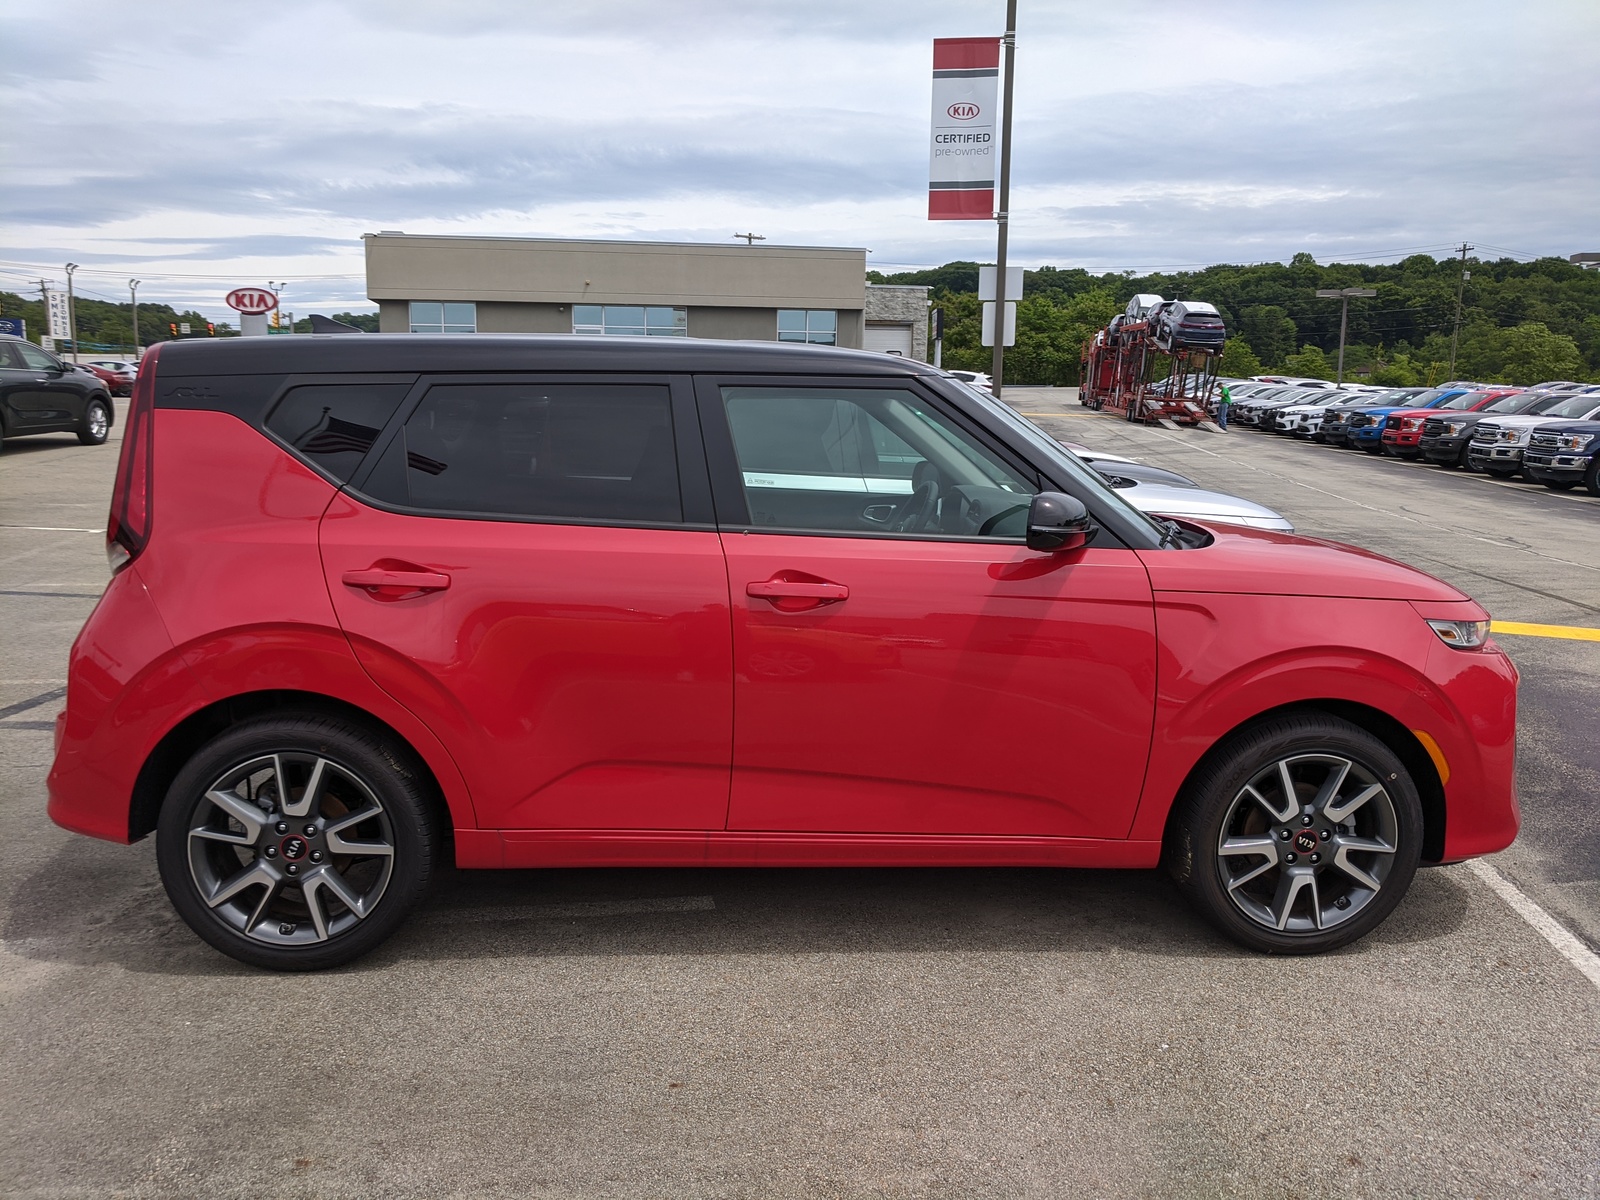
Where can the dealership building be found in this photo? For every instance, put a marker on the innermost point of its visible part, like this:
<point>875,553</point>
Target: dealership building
<point>423,283</point>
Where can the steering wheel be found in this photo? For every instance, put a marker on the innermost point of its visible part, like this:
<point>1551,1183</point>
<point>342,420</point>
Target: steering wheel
<point>912,513</point>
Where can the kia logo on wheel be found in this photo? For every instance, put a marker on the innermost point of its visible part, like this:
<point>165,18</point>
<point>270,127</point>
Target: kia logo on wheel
<point>251,301</point>
<point>964,111</point>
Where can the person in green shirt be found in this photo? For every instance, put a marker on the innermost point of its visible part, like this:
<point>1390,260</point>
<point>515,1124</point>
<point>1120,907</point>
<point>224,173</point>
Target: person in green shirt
<point>1222,407</point>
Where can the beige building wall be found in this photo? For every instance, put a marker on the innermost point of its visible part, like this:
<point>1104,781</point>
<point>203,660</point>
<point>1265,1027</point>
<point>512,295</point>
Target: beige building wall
<point>560,271</point>
<point>529,285</point>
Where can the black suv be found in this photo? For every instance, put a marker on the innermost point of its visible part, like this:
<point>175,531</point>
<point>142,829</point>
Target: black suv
<point>41,394</point>
<point>1564,454</point>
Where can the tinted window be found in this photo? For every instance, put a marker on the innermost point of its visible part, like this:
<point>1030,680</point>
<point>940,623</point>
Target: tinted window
<point>335,425</point>
<point>857,461</point>
<point>588,452</point>
<point>35,358</point>
<point>9,356</point>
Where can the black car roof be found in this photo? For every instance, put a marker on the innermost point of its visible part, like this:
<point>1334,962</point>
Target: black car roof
<point>303,353</point>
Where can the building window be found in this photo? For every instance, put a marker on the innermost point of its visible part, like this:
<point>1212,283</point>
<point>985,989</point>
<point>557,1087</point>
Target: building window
<point>432,316</point>
<point>820,327</point>
<point>630,320</point>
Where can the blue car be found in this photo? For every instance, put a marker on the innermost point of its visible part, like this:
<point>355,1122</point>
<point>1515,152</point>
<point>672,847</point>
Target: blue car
<point>1365,430</point>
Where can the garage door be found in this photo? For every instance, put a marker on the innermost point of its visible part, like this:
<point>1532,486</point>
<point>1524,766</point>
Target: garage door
<point>888,339</point>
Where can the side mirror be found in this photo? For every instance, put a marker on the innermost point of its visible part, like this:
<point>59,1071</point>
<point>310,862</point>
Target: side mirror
<point>1058,522</point>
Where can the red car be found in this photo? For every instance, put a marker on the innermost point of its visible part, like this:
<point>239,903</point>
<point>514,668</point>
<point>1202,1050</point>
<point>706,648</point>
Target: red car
<point>117,383</point>
<point>561,601</point>
<point>1402,429</point>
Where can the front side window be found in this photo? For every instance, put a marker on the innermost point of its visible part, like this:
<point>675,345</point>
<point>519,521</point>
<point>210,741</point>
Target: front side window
<point>434,316</point>
<point>630,320</point>
<point>820,327</point>
<point>581,452</point>
<point>847,460</point>
<point>36,359</point>
<point>334,425</point>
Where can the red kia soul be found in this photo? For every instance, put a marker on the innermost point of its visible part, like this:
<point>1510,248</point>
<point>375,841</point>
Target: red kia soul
<point>554,601</point>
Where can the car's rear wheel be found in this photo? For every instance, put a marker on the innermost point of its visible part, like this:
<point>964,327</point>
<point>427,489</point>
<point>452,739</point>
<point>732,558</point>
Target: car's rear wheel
<point>96,426</point>
<point>1300,836</point>
<point>296,842</point>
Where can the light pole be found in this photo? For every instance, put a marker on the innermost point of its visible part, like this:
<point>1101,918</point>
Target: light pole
<point>72,313</point>
<point>1461,286</point>
<point>1343,296</point>
<point>1002,214</point>
<point>133,296</point>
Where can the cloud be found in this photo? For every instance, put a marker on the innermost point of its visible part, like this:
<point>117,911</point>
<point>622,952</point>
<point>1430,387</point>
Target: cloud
<point>246,148</point>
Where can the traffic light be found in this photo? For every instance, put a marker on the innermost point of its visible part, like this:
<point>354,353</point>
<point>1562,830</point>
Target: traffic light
<point>211,329</point>
<point>173,325</point>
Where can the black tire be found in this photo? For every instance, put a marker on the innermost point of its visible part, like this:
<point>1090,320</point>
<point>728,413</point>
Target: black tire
<point>1218,804</point>
<point>1499,474</point>
<point>1560,485</point>
<point>1591,478</point>
<point>96,425</point>
<point>272,920</point>
<point>1375,449</point>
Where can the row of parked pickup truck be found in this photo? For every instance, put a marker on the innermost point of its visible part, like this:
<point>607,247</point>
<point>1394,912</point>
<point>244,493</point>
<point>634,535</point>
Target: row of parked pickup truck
<point>1548,433</point>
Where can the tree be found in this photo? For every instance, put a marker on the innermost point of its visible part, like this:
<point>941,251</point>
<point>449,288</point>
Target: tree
<point>1238,360</point>
<point>1269,332</point>
<point>1310,362</point>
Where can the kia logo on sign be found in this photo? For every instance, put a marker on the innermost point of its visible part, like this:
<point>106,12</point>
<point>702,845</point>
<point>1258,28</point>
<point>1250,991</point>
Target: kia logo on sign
<point>251,301</point>
<point>964,111</point>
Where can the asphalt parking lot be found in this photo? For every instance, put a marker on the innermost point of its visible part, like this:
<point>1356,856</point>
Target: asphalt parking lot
<point>827,1033</point>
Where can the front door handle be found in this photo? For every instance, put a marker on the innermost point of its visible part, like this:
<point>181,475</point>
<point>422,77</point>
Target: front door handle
<point>386,584</point>
<point>791,591</point>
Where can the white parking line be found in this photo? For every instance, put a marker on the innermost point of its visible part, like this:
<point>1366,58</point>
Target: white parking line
<point>1570,948</point>
<point>51,529</point>
<point>589,908</point>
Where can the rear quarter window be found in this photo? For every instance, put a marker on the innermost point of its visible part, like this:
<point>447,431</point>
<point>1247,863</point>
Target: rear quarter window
<point>334,425</point>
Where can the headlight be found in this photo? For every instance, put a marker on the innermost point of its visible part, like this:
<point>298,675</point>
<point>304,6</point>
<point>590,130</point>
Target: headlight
<point>1451,428</point>
<point>1507,435</point>
<point>1462,635</point>
<point>1411,423</point>
<point>1575,441</point>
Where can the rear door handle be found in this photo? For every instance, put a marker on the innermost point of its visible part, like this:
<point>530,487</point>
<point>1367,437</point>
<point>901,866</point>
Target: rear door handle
<point>396,585</point>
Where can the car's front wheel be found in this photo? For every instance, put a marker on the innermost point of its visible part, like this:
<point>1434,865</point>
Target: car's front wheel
<point>296,842</point>
<point>1300,836</point>
<point>96,425</point>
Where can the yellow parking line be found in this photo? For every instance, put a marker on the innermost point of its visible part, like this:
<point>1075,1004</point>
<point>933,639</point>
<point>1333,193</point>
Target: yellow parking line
<point>1577,633</point>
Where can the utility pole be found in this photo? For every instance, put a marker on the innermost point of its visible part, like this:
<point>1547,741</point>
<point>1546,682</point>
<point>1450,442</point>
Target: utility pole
<point>1461,286</point>
<point>133,295</point>
<point>1002,215</point>
<point>1343,296</point>
<point>750,239</point>
<point>72,312</point>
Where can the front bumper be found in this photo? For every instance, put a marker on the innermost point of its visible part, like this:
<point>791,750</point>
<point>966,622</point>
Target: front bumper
<point>1404,439</point>
<point>1540,465</point>
<point>1496,457</point>
<point>1444,448</point>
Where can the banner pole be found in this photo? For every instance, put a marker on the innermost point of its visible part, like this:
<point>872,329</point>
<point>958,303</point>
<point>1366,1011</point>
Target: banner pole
<point>1002,214</point>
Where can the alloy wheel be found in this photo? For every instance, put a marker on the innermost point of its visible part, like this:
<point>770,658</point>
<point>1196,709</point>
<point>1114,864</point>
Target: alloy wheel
<point>290,848</point>
<point>1307,843</point>
<point>99,423</point>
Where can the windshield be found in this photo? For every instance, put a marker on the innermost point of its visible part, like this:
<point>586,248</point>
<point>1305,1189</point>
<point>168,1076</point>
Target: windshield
<point>1060,458</point>
<point>1463,401</point>
<point>1578,406</point>
<point>1515,402</point>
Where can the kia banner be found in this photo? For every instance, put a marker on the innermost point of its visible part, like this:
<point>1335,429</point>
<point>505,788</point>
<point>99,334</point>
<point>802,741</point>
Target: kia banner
<point>964,158</point>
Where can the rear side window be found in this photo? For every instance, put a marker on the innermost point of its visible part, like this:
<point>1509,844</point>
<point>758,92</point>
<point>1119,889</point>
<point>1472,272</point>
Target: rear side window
<point>334,425</point>
<point>578,451</point>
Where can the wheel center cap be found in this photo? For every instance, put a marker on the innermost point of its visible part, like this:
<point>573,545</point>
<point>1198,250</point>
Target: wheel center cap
<point>1305,841</point>
<point>294,848</point>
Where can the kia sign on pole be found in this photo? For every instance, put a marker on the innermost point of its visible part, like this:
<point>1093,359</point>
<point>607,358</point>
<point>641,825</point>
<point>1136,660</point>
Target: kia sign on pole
<point>963,159</point>
<point>252,304</point>
<point>251,301</point>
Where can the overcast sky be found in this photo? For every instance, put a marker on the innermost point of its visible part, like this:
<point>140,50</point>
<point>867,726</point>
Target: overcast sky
<point>202,146</point>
